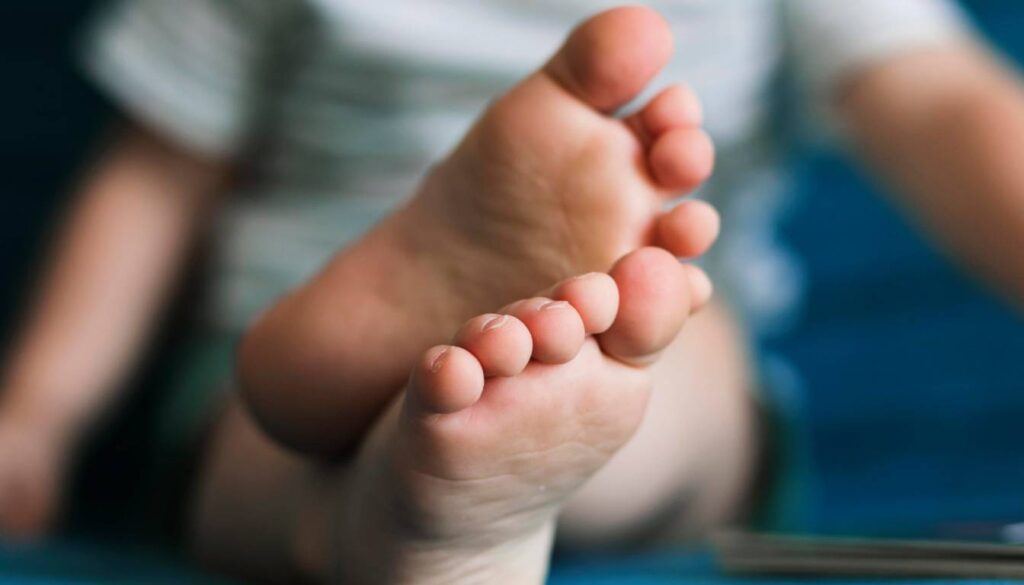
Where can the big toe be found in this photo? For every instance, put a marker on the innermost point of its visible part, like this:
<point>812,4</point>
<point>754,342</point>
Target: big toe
<point>654,302</point>
<point>609,59</point>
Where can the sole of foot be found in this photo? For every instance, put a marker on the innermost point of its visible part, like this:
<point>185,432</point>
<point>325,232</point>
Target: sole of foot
<point>462,481</point>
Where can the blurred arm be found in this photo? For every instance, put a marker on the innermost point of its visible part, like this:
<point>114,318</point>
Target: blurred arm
<point>946,126</point>
<point>112,265</point>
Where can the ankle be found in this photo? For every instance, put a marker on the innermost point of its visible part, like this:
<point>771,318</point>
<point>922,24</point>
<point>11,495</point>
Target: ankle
<point>522,560</point>
<point>381,538</point>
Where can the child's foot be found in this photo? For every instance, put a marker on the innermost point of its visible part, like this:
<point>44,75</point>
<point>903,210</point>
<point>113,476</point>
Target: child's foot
<point>462,480</point>
<point>547,184</point>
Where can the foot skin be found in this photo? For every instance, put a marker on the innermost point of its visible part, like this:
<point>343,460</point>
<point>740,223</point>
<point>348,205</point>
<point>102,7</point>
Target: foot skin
<point>551,183</point>
<point>547,184</point>
<point>462,481</point>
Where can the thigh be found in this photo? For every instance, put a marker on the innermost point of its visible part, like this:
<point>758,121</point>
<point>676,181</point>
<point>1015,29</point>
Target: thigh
<point>692,460</point>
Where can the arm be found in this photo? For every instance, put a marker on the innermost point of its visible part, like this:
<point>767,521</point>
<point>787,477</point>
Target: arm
<point>946,127</point>
<point>136,214</point>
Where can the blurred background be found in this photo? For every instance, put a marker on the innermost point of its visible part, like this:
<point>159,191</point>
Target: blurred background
<point>911,378</point>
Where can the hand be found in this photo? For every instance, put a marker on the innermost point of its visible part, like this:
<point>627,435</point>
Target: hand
<point>32,468</point>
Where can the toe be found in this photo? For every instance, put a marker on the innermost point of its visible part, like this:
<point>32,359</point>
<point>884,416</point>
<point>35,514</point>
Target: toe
<point>676,106</point>
<point>447,379</point>
<point>654,301</point>
<point>611,57</point>
<point>689,229</point>
<point>557,329</point>
<point>501,343</point>
<point>595,296</point>
<point>682,158</point>
<point>701,288</point>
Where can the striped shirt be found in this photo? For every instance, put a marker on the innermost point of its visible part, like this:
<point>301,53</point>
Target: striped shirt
<point>335,108</point>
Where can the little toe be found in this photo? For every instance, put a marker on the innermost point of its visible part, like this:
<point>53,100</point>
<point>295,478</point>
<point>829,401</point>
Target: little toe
<point>557,328</point>
<point>701,288</point>
<point>447,379</point>
<point>501,343</point>
<point>682,158</point>
<point>654,301</point>
<point>688,229</point>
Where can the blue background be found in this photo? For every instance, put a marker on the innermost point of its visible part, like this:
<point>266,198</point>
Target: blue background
<point>912,376</point>
<point>909,377</point>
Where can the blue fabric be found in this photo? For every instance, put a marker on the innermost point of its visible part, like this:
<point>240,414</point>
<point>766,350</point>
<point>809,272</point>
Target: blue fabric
<point>912,376</point>
<point>694,569</point>
<point>913,385</point>
<point>76,562</point>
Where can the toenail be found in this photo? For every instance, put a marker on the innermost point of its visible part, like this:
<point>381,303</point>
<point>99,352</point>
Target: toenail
<point>494,322</point>
<point>553,305</point>
<point>438,361</point>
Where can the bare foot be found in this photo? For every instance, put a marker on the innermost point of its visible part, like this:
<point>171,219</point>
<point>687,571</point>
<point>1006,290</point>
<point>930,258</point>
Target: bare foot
<point>462,481</point>
<point>547,184</point>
